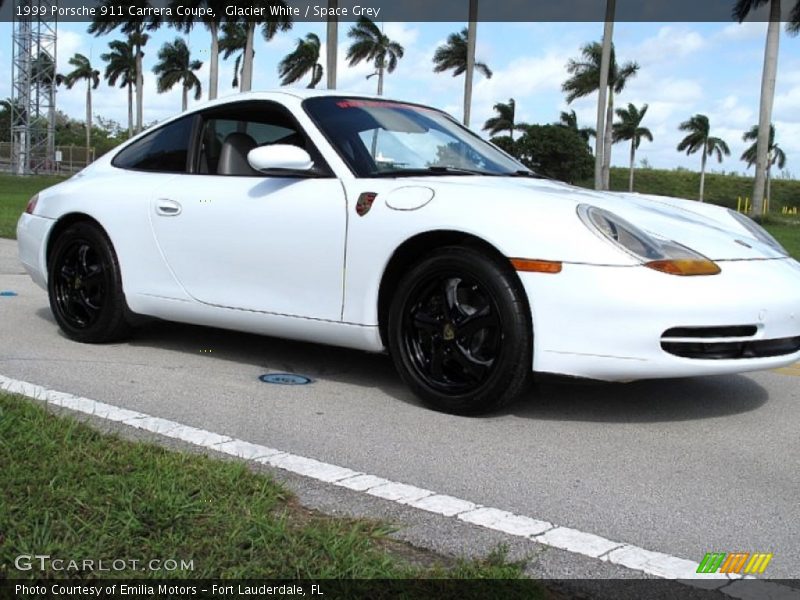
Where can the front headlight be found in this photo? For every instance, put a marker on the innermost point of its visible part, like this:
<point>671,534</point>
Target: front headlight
<point>758,232</point>
<point>654,253</point>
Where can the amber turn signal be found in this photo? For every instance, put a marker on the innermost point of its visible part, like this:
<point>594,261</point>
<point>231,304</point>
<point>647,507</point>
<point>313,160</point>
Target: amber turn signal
<point>684,267</point>
<point>536,266</point>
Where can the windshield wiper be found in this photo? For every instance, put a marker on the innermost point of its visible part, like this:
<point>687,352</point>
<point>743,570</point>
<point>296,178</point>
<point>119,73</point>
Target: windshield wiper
<point>427,171</point>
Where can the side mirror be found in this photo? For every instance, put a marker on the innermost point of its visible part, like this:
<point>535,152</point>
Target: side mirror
<point>283,157</point>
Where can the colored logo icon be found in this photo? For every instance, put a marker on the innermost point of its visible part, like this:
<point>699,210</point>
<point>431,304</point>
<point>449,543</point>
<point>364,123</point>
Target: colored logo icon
<point>735,562</point>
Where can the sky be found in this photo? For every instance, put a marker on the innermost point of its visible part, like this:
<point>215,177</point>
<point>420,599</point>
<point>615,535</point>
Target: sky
<point>685,68</point>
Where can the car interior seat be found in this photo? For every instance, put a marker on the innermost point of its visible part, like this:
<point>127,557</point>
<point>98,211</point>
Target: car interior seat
<point>233,156</point>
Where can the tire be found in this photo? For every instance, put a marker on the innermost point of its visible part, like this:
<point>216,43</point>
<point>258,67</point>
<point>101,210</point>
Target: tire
<point>460,333</point>
<point>85,287</point>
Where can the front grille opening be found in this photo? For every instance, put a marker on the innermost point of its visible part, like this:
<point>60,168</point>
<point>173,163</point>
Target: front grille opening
<point>733,350</point>
<point>711,332</point>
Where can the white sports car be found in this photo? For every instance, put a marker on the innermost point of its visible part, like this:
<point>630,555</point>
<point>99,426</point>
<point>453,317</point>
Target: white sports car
<point>384,225</point>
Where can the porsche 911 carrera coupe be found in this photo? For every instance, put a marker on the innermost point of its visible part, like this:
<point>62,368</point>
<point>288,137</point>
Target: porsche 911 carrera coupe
<point>384,225</point>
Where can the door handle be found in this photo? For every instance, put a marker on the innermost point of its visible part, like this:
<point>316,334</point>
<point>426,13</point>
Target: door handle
<point>167,208</point>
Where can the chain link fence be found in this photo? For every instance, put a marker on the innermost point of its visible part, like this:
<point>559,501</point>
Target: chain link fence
<point>66,160</point>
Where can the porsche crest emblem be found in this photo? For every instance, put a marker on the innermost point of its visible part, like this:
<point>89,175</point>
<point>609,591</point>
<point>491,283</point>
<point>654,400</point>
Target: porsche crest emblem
<point>364,203</point>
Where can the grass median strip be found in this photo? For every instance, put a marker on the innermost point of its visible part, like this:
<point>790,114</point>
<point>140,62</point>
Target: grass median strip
<point>69,491</point>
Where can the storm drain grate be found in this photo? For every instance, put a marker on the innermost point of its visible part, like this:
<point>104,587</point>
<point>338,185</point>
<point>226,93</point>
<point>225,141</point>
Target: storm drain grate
<point>285,379</point>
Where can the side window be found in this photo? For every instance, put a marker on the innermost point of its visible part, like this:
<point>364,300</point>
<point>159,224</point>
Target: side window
<point>228,133</point>
<point>234,137</point>
<point>165,150</point>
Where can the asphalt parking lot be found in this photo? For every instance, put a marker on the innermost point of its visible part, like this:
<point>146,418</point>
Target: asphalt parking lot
<point>682,467</point>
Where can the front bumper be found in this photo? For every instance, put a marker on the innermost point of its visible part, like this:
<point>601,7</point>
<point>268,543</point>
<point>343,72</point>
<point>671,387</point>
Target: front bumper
<point>607,323</point>
<point>32,235</point>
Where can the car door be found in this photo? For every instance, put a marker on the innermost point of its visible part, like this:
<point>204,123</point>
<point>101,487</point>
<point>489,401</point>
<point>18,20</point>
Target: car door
<point>241,239</point>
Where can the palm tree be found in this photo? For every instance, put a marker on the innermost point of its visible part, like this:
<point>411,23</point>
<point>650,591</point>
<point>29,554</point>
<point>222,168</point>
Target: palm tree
<point>698,138</point>
<point>629,127</point>
<point>212,20</point>
<point>370,43</point>
<point>270,26</point>
<point>133,26</point>
<point>469,73</point>
<point>304,59</point>
<point>175,65</point>
<point>121,66</point>
<point>602,101</point>
<point>232,40</point>
<point>505,120</point>
<point>585,80</point>
<point>570,121</point>
<point>453,56</point>
<point>84,71</point>
<point>332,43</point>
<point>136,27</point>
<point>775,154</point>
<point>741,10</point>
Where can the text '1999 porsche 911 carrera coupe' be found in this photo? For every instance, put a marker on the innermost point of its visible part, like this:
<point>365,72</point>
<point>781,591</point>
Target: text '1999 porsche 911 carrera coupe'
<point>385,225</point>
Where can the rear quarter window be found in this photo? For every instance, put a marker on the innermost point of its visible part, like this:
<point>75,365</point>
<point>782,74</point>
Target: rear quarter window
<point>164,150</point>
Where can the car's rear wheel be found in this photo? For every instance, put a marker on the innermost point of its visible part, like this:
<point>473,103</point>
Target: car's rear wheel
<point>85,286</point>
<point>459,331</point>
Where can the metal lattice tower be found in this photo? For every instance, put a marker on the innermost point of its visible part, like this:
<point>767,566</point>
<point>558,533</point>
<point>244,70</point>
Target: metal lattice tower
<point>33,93</point>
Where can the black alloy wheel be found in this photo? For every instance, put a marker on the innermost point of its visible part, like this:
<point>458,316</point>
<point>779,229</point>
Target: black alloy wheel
<point>460,333</point>
<point>84,286</point>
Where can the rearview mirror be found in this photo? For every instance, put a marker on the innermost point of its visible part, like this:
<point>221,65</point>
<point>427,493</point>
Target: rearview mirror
<point>279,156</point>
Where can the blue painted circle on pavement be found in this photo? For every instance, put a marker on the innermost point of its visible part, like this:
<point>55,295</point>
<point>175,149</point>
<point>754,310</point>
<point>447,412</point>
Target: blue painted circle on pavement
<point>285,379</point>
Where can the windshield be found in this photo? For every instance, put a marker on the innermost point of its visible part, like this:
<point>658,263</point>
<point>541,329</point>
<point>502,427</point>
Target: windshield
<point>381,138</point>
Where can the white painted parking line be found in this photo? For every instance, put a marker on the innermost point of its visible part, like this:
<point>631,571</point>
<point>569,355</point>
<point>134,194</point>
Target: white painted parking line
<point>543,532</point>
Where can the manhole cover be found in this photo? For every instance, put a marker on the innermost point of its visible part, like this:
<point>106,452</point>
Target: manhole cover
<point>285,379</point>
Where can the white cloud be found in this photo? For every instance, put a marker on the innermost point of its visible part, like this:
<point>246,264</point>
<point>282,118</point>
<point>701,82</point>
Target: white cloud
<point>669,44</point>
<point>737,32</point>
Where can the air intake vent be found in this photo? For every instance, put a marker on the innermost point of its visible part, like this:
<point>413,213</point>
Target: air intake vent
<point>733,350</point>
<point>711,332</point>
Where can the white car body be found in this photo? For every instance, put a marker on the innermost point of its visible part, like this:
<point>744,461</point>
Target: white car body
<point>292,258</point>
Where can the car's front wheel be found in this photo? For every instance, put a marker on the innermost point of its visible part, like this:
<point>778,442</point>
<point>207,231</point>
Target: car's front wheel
<point>459,331</point>
<point>85,286</point>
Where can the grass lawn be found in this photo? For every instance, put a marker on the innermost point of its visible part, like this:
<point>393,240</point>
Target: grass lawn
<point>16,191</point>
<point>14,195</point>
<point>68,491</point>
<point>788,235</point>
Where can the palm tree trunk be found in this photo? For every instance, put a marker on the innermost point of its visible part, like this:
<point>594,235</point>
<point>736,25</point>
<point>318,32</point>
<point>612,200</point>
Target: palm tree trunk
<point>139,89</point>
<point>247,61</point>
<point>213,71</point>
<point>767,98</point>
<point>605,63</point>
<point>380,79</point>
<point>88,117</point>
<point>769,181</point>
<point>608,140</point>
<point>703,170</point>
<point>633,162</point>
<point>332,41</point>
<point>184,99</point>
<point>472,32</point>
<point>130,108</point>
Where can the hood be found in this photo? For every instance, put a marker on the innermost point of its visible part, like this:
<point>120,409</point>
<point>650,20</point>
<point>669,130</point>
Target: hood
<point>705,228</point>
